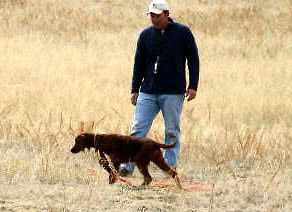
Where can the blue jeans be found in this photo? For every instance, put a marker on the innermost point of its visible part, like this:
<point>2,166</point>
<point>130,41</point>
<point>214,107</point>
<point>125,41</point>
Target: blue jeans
<point>147,107</point>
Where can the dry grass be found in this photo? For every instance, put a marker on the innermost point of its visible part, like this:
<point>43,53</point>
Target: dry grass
<point>63,62</point>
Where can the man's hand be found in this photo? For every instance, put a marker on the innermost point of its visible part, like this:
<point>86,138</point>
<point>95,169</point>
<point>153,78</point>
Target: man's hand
<point>134,97</point>
<point>191,94</point>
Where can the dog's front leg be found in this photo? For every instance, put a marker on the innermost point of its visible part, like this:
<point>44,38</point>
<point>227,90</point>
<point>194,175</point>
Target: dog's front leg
<point>113,176</point>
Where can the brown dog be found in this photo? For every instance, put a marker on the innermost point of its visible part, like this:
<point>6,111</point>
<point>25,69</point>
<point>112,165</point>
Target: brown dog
<point>124,149</point>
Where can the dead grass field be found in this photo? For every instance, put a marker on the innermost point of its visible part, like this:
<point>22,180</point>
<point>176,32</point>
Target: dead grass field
<point>64,61</point>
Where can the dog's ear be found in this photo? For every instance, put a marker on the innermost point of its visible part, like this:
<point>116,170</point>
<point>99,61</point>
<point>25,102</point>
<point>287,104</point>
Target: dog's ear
<point>80,139</point>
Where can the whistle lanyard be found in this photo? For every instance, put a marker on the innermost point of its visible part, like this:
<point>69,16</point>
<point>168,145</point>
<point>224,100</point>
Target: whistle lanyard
<point>159,37</point>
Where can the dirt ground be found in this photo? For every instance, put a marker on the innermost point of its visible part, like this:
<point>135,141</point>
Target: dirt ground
<point>247,192</point>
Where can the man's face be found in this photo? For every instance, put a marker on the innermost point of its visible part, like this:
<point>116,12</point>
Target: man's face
<point>159,21</point>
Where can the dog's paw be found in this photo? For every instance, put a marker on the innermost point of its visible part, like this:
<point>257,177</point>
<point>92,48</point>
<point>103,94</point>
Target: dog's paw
<point>147,181</point>
<point>113,177</point>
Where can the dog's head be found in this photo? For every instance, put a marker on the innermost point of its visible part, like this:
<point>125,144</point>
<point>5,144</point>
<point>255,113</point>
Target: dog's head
<point>82,141</point>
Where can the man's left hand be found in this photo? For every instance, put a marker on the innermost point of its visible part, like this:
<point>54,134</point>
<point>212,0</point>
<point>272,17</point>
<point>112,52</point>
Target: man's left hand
<point>191,94</point>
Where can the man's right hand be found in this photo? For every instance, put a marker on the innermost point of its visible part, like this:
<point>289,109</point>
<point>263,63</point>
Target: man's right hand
<point>134,97</point>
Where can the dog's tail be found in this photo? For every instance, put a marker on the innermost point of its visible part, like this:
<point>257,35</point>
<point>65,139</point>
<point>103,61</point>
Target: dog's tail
<point>167,146</point>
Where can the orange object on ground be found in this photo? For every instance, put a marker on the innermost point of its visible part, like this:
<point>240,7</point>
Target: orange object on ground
<point>203,186</point>
<point>189,184</point>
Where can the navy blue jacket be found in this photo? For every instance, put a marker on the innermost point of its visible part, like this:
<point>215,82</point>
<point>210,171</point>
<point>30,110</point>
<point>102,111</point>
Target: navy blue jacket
<point>167,52</point>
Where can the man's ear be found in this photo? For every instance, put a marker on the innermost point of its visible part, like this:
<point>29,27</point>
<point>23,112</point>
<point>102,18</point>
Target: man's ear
<point>166,12</point>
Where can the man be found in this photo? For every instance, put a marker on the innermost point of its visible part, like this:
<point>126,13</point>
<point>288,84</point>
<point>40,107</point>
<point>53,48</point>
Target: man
<point>159,81</point>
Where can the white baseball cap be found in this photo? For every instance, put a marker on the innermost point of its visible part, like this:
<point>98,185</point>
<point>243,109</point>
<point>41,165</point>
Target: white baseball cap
<point>158,6</point>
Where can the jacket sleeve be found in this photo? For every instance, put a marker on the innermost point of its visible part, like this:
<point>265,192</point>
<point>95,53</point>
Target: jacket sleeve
<point>139,65</point>
<point>193,60</point>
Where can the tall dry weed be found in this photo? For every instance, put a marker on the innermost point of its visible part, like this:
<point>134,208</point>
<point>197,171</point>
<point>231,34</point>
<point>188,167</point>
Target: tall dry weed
<point>65,62</point>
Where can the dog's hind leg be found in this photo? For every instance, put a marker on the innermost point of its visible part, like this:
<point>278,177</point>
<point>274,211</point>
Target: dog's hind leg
<point>143,168</point>
<point>160,162</point>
